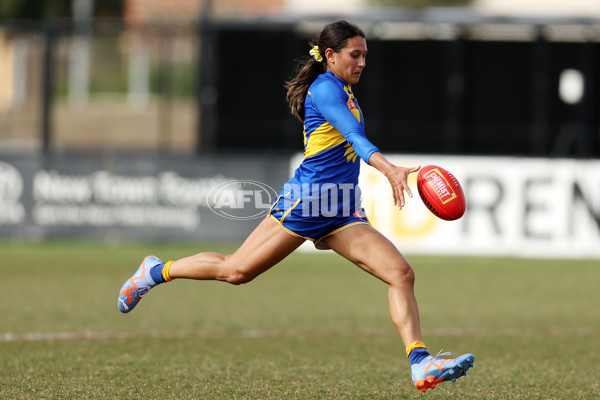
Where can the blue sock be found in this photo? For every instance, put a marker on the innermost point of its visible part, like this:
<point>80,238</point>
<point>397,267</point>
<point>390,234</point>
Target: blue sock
<point>156,273</point>
<point>417,355</point>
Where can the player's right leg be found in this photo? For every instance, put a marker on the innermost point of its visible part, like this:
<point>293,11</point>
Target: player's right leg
<point>268,244</point>
<point>148,275</point>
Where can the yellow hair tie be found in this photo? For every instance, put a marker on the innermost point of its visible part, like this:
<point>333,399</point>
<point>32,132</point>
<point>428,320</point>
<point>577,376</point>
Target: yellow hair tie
<point>316,54</point>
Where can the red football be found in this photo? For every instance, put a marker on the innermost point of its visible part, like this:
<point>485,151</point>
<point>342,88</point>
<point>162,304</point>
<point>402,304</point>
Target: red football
<point>441,192</point>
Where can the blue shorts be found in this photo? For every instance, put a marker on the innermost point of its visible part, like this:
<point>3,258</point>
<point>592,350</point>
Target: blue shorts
<point>292,216</point>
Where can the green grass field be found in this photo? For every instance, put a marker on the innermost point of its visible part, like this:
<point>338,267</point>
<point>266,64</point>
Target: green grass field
<point>314,327</point>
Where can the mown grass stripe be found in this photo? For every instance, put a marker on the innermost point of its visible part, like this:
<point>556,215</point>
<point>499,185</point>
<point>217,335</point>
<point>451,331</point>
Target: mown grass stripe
<point>442,332</point>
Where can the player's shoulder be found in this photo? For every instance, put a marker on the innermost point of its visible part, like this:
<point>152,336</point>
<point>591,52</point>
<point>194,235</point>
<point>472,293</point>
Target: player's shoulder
<point>326,84</point>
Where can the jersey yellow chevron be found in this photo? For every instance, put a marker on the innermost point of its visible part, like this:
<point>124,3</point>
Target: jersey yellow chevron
<point>321,139</point>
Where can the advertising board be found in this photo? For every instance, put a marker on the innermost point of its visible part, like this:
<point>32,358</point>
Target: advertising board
<point>214,197</point>
<point>524,207</point>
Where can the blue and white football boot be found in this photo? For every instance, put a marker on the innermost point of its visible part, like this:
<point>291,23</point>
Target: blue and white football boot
<point>433,370</point>
<point>138,285</point>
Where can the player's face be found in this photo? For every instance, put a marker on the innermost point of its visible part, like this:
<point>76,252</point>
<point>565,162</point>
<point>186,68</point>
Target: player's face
<point>350,61</point>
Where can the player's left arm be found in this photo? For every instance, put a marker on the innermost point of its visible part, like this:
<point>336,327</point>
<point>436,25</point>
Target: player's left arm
<point>333,105</point>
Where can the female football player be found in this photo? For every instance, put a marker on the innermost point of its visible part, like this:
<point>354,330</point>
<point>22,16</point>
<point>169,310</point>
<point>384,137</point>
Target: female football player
<point>321,203</point>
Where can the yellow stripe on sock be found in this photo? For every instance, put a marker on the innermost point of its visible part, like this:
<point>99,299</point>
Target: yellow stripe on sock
<point>165,271</point>
<point>415,345</point>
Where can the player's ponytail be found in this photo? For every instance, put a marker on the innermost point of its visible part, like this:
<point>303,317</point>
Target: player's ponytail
<point>298,87</point>
<point>333,36</point>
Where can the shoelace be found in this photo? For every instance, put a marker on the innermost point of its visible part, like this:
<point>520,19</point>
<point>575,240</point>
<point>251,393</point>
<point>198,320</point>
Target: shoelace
<point>440,354</point>
<point>142,290</point>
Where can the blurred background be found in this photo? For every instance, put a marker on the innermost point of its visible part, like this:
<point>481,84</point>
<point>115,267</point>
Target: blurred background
<point>119,118</point>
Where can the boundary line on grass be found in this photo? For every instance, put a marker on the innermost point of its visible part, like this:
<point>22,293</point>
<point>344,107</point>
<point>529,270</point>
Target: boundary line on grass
<point>92,336</point>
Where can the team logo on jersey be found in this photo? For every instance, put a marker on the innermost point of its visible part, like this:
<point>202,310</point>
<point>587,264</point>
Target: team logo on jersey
<point>360,214</point>
<point>352,104</point>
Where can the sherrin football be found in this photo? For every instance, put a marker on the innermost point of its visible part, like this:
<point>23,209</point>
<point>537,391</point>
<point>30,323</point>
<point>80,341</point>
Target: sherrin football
<point>441,192</point>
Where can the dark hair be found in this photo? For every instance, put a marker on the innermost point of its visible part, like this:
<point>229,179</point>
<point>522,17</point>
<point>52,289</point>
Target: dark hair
<point>333,36</point>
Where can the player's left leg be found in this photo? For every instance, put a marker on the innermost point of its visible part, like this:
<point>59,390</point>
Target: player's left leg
<point>432,370</point>
<point>370,250</point>
<point>373,252</point>
<point>268,244</point>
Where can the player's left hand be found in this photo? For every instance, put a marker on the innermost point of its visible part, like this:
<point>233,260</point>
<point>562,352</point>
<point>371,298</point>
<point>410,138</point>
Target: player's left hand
<point>398,177</point>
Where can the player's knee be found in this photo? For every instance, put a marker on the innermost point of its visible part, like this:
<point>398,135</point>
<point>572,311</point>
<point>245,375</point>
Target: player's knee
<point>402,274</point>
<point>237,277</point>
<point>234,272</point>
<point>409,275</point>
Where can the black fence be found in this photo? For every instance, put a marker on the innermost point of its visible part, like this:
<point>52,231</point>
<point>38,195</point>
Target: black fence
<point>474,91</point>
<point>460,86</point>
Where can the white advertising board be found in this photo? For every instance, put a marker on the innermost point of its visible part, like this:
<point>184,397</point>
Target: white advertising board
<point>522,207</point>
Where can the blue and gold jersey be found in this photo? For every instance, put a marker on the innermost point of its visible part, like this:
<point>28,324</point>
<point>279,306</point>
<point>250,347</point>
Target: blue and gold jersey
<point>323,197</point>
<point>334,134</point>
